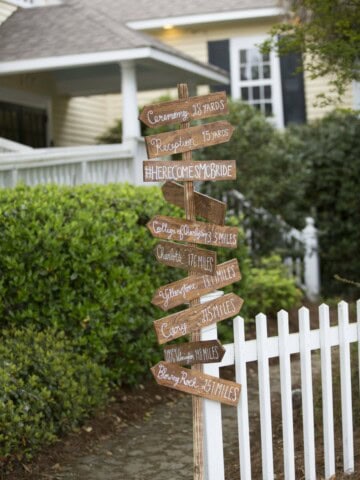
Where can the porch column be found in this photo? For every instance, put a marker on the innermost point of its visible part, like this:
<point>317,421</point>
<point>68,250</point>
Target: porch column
<point>130,122</point>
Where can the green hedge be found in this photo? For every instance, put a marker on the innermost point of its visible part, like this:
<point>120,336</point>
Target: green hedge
<point>45,389</point>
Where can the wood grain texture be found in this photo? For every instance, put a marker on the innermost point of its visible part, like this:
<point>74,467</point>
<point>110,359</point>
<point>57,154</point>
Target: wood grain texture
<point>186,256</point>
<point>188,139</point>
<point>206,207</point>
<point>169,228</point>
<point>197,383</point>
<point>209,351</point>
<point>194,286</point>
<point>196,317</point>
<point>184,110</point>
<point>207,170</point>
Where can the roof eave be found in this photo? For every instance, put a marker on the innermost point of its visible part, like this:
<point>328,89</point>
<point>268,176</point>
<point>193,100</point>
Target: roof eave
<point>184,20</point>
<point>210,73</point>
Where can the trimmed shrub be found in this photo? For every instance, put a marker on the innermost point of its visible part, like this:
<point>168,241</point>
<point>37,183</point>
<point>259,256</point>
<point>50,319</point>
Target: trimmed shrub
<point>45,389</point>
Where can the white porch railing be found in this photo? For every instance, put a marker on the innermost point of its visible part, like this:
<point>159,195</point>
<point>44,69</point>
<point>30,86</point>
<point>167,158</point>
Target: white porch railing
<point>72,165</point>
<point>260,350</point>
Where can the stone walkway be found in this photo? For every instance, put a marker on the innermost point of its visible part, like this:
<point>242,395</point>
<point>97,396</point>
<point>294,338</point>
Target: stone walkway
<point>160,448</point>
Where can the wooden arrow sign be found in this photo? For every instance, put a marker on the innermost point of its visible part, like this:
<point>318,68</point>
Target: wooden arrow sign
<point>213,170</point>
<point>197,383</point>
<point>188,139</point>
<point>195,286</point>
<point>206,207</point>
<point>187,257</point>
<point>209,351</point>
<point>182,230</point>
<point>184,110</point>
<point>187,321</point>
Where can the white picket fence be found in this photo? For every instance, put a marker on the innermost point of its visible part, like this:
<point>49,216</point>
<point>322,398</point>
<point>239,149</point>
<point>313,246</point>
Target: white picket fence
<point>260,350</point>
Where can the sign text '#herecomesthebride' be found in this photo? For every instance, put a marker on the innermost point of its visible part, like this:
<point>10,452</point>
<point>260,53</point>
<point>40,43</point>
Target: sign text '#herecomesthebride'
<point>157,171</point>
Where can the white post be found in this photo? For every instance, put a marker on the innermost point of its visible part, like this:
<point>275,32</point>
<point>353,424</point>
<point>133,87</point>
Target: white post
<point>130,122</point>
<point>311,260</point>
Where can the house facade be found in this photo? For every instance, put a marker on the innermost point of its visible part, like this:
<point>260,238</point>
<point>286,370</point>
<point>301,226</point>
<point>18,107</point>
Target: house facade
<point>66,66</point>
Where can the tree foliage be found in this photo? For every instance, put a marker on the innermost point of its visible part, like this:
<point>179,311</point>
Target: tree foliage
<point>328,33</point>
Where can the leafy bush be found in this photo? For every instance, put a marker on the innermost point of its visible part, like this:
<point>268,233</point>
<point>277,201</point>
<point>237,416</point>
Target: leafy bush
<point>45,389</point>
<point>330,149</point>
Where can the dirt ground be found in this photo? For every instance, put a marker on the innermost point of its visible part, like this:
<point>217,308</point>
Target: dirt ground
<point>146,433</point>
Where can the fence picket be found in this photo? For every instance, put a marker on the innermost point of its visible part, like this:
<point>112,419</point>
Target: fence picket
<point>264,398</point>
<point>307,394</point>
<point>242,409</point>
<point>345,383</point>
<point>327,393</point>
<point>286,396</point>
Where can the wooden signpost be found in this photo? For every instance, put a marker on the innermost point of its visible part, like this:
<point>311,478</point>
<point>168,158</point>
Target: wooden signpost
<point>214,170</point>
<point>204,275</point>
<point>191,353</point>
<point>194,286</point>
<point>169,228</point>
<point>196,383</point>
<point>183,256</point>
<point>191,138</point>
<point>209,208</point>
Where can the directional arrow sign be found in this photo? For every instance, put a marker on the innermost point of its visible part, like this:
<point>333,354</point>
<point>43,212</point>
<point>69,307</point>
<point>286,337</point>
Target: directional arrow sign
<point>197,383</point>
<point>195,286</point>
<point>184,256</point>
<point>213,170</point>
<point>184,110</point>
<point>187,321</point>
<point>182,230</point>
<point>188,139</point>
<point>206,207</point>
<point>210,351</point>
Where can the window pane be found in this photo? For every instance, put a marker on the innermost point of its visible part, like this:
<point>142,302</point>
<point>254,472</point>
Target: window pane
<point>243,56</point>
<point>267,91</point>
<point>257,106</point>
<point>256,93</point>
<point>268,109</point>
<point>244,93</point>
<point>243,74</point>
<point>255,72</point>
<point>265,57</point>
<point>266,71</point>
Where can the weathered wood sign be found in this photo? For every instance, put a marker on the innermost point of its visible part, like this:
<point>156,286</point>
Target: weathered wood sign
<point>209,208</point>
<point>210,351</point>
<point>196,383</point>
<point>209,170</point>
<point>184,256</point>
<point>188,139</point>
<point>194,286</point>
<point>169,228</point>
<point>184,110</point>
<point>187,321</point>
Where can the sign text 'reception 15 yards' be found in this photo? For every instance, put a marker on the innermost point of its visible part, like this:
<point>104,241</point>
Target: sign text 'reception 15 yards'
<point>169,228</point>
<point>209,170</point>
<point>188,139</point>
<point>196,383</point>
<point>194,318</point>
<point>186,256</point>
<point>194,286</point>
<point>184,110</point>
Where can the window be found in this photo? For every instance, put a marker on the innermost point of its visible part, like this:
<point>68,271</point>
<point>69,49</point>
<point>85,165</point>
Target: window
<point>255,77</point>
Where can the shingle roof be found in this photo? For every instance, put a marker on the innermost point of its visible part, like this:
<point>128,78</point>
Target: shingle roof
<point>83,26</point>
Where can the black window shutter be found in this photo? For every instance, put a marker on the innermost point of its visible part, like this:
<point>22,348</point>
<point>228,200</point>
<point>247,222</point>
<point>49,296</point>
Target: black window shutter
<point>293,93</point>
<point>219,55</point>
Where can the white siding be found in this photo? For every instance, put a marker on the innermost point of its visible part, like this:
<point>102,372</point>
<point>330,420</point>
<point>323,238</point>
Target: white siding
<point>5,11</point>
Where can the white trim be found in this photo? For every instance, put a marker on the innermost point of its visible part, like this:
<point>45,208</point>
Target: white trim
<point>206,18</point>
<point>30,99</point>
<point>114,56</point>
<point>356,95</point>
<point>247,42</point>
